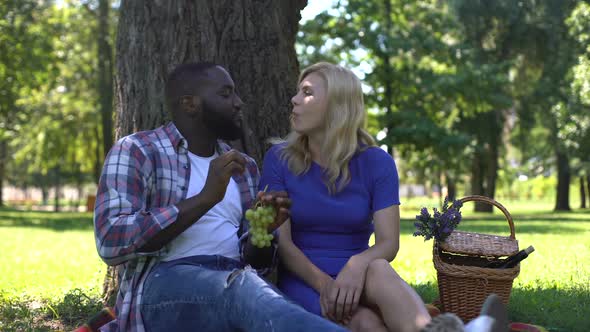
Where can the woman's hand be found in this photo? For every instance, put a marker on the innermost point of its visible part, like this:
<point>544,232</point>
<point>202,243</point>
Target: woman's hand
<point>343,295</point>
<point>325,291</point>
<point>281,202</point>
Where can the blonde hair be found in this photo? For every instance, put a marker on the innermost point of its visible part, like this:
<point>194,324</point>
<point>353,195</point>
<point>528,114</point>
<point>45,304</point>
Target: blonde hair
<point>343,126</point>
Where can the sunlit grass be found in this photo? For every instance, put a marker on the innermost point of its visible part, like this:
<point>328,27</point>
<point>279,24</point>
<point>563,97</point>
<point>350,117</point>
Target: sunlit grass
<point>49,254</point>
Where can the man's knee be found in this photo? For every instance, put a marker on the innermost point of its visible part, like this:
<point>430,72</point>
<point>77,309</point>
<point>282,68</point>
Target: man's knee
<point>239,275</point>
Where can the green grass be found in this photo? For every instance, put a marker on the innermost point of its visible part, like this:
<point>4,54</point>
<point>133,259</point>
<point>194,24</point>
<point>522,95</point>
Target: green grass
<point>50,275</point>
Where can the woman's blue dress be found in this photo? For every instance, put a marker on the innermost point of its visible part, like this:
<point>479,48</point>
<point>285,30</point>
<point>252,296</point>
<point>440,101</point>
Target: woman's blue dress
<point>329,229</point>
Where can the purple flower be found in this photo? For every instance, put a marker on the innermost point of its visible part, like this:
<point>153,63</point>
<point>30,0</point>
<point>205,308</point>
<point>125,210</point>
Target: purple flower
<point>441,223</point>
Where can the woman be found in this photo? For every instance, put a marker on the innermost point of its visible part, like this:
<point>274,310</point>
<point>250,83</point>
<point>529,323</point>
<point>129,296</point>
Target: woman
<point>342,188</point>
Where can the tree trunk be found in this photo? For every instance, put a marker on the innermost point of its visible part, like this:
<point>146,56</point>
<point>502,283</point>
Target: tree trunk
<point>44,194</point>
<point>485,163</point>
<point>388,68</point>
<point>57,186</point>
<point>451,188</point>
<point>563,182</point>
<point>99,157</point>
<point>3,153</point>
<point>105,75</point>
<point>254,40</point>
<point>588,188</point>
<point>582,193</point>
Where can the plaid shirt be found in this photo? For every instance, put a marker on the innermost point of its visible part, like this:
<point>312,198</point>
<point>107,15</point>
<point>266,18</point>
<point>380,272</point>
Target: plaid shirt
<point>145,174</point>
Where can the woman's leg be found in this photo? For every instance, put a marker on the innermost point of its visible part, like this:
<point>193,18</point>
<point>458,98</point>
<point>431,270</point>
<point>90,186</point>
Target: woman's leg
<point>400,306</point>
<point>366,320</point>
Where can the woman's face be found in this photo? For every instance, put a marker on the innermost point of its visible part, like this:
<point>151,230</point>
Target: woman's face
<point>310,105</point>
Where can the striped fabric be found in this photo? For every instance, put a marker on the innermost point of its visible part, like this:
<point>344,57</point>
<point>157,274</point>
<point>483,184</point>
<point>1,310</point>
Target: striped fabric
<point>144,175</point>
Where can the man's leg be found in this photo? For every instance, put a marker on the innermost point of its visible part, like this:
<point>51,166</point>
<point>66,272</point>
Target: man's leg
<point>255,305</point>
<point>192,297</point>
<point>184,298</point>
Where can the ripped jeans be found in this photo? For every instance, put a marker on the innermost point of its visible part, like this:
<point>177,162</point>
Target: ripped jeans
<point>215,293</point>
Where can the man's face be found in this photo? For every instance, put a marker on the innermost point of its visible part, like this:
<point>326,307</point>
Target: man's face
<point>221,106</point>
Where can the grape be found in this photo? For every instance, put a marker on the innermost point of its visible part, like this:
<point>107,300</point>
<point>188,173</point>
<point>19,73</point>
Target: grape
<point>260,218</point>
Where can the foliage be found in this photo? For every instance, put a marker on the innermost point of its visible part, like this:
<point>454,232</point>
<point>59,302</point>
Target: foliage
<point>454,85</point>
<point>422,77</point>
<point>26,55</point>
<point>61,144</point>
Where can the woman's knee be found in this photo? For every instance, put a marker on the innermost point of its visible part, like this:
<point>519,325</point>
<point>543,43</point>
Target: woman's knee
<point>380,268</point>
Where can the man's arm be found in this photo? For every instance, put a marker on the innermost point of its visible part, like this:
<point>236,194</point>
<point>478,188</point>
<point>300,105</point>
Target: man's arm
<point>122,221</point>
<point>124,227</point>
<point>192,209</point>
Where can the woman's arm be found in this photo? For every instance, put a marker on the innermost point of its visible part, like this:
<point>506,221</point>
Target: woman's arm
<point>296,262</point>
<point>387,230</point>
<point>342,299</point>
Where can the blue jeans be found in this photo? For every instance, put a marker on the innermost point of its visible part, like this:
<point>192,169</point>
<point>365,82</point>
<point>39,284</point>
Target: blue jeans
<point>215,293</point>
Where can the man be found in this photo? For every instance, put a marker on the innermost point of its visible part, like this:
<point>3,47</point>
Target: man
<point>170,208</point>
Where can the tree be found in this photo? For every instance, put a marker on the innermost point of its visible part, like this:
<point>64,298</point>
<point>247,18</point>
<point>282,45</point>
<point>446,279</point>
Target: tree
<point>422,78</point>
<point>579,29</point>
<point>253,40</point>
<point>25,63</point>
<point>532,38</point>
<point>62,143</point>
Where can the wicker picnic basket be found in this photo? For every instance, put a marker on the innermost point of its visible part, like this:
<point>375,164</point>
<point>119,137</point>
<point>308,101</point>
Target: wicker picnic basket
<point>463,282</point>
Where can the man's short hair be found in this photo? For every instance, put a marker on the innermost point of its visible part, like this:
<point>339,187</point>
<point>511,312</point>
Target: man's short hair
<point>185,80</point>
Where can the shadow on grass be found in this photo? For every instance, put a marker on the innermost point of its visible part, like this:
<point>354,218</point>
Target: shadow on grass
<point>556,310</point>
<point>58,221</point>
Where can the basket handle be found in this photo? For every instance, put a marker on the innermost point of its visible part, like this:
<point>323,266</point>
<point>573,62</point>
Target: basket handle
<point>477,198</point>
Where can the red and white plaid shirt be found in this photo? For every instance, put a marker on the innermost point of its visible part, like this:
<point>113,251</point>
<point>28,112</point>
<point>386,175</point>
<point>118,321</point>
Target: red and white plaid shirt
<point>144,175</point>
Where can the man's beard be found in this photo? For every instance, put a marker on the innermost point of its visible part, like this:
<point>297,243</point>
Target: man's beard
<point>223,126</point>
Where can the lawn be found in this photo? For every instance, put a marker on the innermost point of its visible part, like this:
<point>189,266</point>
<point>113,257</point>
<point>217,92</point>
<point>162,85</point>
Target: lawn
<point>50,277</point>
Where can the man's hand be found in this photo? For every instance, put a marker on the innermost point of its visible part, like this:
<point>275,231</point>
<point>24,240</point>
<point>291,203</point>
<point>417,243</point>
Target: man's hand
<point>220,171</point>
<point>281,203</point>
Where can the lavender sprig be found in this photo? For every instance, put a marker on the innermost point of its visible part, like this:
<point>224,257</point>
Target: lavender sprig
<point>440,224</point>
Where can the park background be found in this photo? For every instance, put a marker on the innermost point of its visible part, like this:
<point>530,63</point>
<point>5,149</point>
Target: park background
<point>469,97</point>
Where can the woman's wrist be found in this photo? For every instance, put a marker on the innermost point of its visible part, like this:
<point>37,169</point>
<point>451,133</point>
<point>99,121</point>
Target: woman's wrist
<point>359,260</point>
<point>321,281</point>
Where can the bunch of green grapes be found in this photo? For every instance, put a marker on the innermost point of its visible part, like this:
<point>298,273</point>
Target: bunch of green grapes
<point>260,218</point>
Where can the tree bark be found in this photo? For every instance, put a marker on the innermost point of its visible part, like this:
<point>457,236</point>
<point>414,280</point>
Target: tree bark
<point>582,193</point>
<point>254,40</point>
<point>588,188</point>
<point>105,75</point>
<point>563,182</point>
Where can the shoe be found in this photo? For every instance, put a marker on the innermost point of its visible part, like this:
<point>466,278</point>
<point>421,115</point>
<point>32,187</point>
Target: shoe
<point>446,322</point>
<point>493,317</point>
